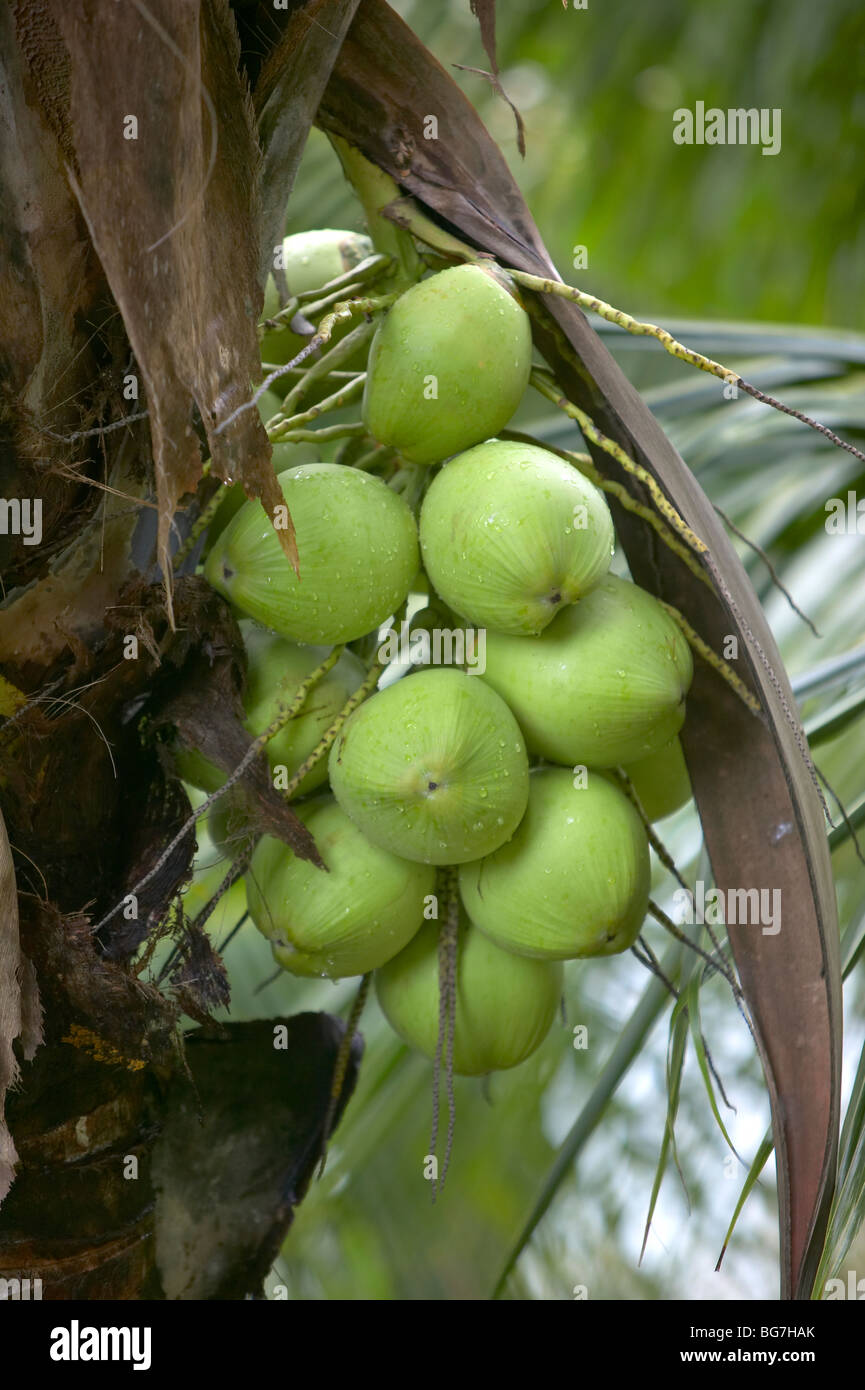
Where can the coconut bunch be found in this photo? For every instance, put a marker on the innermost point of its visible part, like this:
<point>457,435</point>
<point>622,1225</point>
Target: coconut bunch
<point>510,795</point>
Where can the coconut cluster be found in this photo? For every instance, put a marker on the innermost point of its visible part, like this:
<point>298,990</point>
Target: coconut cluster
<point>522,773</point>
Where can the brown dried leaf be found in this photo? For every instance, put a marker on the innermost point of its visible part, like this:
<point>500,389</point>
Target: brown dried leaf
<point>106,1012</point>
<point>199,981</point>
<point>154,825</point>
<point>286,97</point>
<point>165,160</point>
<point>207,716</point>
<point>485,13</point>
<point>42,624</point>
<point>52,292</point>
<point>32,1019</point>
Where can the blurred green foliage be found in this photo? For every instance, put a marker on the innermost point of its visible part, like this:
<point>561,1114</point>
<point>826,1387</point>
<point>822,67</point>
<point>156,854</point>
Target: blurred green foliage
<point>720,231</point>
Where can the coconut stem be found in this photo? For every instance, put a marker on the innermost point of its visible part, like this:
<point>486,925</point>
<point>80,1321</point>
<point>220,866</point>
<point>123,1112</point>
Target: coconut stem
<point>281,319</point>
<point>587,466</point>
<point>286,713</point>
<point>773,573</point>
<point>411,482</point>
<point>301,371</point>
<point>330,734</point>
<point>547,387</point>
<point>408,214</point>
<point>447,972</point>
<point>676,349</point>
<point>346,309</point>
<point>334,357</point>
<point>342,396</point>
<point>653,837</point>
<point>450,950</point>
<point>376,190</point>
<point>327,298</point>
<point>379,456</point>
<point>630,504</point>
<point>713,659</point>
<point>366,271</point>
<point>716,962</point>
<point>660,849</point>
<point>340,1067</point>
<point>647,958</point>
<point>305,436</point>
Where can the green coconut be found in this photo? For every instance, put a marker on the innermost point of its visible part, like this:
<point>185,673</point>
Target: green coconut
<point>574,879</point>
<point>310,260</point>
<point>661,781</point>
<point>511,533</point>
<point>284,456</point>
<point>505,1004</point>
<point>604,684</point>
<point>193,767</point>
<point>357,548</point>
<point>448,365</point>
<point>275,670</point>
<point>344,921</point>
<point>229,825</point>
<point>433,767</point>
